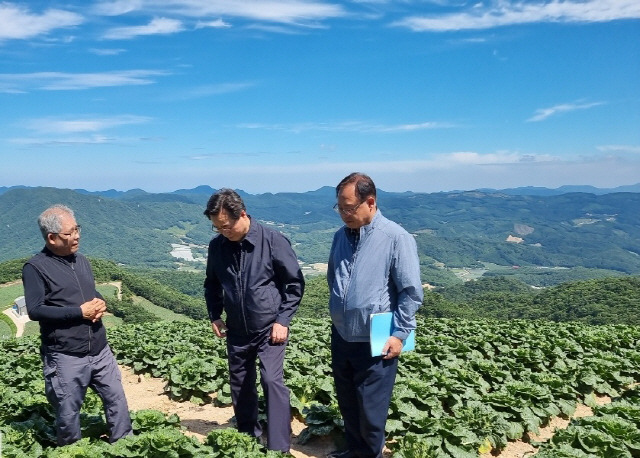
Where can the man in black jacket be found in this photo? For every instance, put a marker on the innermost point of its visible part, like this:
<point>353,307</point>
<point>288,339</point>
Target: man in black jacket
<point>60,293</point>
<point>254,276</point>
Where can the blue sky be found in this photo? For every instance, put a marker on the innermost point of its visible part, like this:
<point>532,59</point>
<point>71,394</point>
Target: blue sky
<point>292,95</point>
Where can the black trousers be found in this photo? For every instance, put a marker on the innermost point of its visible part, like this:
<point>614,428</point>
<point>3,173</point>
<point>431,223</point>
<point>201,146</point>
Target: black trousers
<point>243,352</point>
<point>364,385</point>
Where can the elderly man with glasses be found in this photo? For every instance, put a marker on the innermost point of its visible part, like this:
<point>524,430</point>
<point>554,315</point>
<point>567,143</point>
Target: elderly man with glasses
<point>373,268</point>
<point>60,294</point>
<point>253,276</point>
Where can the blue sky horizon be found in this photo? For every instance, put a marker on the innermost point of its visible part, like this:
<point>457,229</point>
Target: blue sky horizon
<point>292,95</point>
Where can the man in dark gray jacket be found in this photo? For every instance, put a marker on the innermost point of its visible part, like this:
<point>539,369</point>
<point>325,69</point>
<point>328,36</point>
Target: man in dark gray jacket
<point>60,294</point>
<point>254,276</point>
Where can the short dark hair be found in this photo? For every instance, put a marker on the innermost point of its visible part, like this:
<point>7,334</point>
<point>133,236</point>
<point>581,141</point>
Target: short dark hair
<point>225,199</point>
<point>364,185</point>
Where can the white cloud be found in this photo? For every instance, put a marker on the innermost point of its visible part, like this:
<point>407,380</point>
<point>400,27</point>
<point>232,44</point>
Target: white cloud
<point>117,7</point>
<point>631,149</point>
<point>106,51</point>
<point>211,90</point>
<point>64,141</point>
<point>349,126</point>
<point>543,113</point>
<point>157,26</point>
<point>444,172</point>
<point>64,126</point>
<point>284,11</point>
<point>216,24</point>
<point>58,81</point>
<point>16,22</point>
<point>504,13</point>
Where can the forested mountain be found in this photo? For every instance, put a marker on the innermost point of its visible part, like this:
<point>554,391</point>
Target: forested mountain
<point>548,239</point>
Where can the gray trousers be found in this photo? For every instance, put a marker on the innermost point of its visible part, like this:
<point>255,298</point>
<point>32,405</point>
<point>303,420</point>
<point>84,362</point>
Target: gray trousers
<point>67,378</point>
<point>243,352</point>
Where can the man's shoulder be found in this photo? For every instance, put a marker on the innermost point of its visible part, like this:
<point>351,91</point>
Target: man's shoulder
<point>215,241</point>
<point>82,258</point>
<point>390,227</point>
<point>37,258</point>
<point>268,232</point>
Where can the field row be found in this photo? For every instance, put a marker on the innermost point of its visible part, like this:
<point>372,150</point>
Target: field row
<point>469,388</point>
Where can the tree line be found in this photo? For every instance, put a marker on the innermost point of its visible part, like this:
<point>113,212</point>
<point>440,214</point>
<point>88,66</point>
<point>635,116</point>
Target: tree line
<point>609,300</point>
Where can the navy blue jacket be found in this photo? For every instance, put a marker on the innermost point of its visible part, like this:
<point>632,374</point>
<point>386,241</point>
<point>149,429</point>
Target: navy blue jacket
<point>257,281</point>
<point>54,288</point>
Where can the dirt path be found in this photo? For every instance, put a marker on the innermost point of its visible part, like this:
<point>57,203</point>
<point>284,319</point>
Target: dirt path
<point>148,393</point>
<point>521,449</point>
<point>19,321</point>
<point>118,285</point>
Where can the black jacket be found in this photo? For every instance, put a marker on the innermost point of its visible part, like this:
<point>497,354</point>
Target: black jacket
<point>257,281</point>
<point>55,287</point>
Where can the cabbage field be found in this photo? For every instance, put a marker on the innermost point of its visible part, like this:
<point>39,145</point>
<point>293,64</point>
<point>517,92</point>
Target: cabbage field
<point>468,389</point>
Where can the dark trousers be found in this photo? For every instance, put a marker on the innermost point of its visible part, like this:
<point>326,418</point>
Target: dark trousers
<point>243,351</point>
<point>67,378</point>
<point>364,385</point>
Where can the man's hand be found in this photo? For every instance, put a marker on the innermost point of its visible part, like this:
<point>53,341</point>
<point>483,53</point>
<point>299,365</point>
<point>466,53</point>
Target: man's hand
<point>392,348</point>
<point>279,333</point>
<point>93,309</point>
<point>219,328</point>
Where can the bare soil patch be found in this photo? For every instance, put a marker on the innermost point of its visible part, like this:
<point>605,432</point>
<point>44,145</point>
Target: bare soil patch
<point>521,449</point>
<point>148,393</point>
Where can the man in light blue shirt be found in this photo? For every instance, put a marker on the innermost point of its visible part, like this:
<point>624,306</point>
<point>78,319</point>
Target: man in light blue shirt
<point>373,268</point>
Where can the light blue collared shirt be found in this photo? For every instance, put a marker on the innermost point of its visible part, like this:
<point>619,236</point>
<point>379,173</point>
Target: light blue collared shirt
<point>381,273</point>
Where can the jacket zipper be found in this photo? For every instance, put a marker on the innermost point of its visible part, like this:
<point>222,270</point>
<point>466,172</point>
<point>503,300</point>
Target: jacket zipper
<point>75,274</point>
<point>351,269</point>
<point>241,287</point>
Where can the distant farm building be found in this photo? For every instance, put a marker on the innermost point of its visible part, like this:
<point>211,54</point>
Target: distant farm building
<point>20,306</point>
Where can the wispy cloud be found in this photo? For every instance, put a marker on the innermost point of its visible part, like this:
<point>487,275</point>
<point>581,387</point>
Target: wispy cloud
<point>67,131</point>
<point>157,26</point>
<point>282,11</point>
<point>631,149</point>
<point>17,22</point>
<point>117,7</point>
<point>543,113</point>
<point>83,124</point>
<point>64,141</point>
<point>349,126</point>
<point>106,51</point>
<point>505,13</point>
<point>211,90</point>
<point>58,81</point>
<point>216,24</point>
<point>500,157</point>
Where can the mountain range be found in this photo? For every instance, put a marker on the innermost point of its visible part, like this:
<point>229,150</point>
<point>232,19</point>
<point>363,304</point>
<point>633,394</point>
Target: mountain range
<point>524,228</point>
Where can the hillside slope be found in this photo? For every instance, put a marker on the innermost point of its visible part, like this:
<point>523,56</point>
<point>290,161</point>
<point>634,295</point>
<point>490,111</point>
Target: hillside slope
<point>452,229</point>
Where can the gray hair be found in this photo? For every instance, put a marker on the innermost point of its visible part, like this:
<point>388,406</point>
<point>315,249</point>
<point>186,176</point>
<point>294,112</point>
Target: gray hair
<point>49,220</point>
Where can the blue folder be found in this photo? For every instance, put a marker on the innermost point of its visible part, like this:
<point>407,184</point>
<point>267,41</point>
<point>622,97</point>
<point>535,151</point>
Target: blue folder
<point>381,329</point>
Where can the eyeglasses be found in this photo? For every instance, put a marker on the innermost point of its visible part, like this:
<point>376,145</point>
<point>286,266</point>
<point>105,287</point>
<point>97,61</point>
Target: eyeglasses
<point>225,228</point>
<point>348,211</point>
<point>74,231</point>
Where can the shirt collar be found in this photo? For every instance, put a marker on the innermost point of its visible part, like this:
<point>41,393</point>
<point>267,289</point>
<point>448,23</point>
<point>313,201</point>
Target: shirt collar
<point>251,236</point>
<point>364,230</point>
<point>69,258</point>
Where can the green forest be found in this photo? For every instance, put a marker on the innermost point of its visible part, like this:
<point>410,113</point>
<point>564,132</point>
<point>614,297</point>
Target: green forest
<point>608,300</point>
<point>540,240</point>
